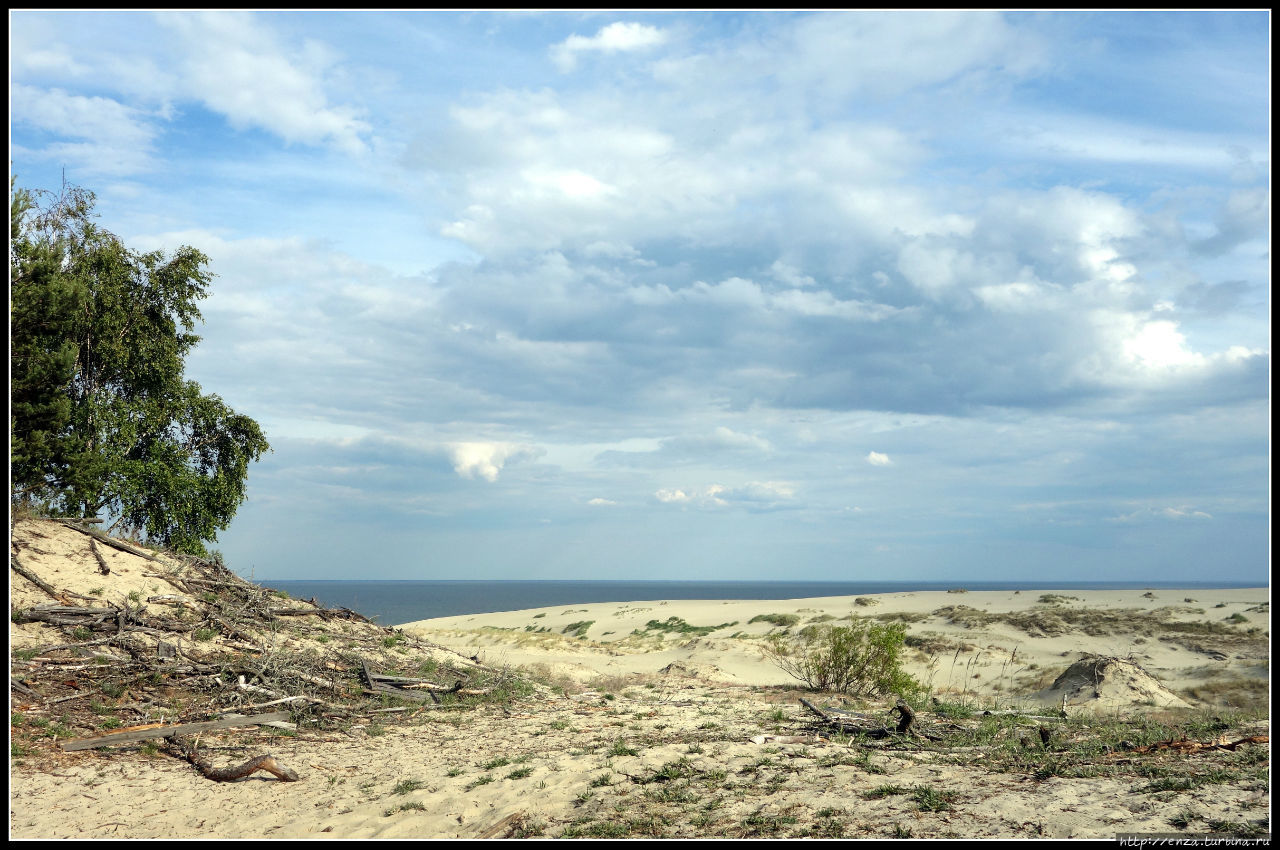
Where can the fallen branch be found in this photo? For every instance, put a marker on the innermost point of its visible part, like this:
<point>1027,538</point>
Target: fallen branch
<point>178,748</point>
<point>110,541</point>
<point>1187,747</point>
<point>34,579</point>
<point>844,723</point>
<point>102,562</point>
<point>161,730</point>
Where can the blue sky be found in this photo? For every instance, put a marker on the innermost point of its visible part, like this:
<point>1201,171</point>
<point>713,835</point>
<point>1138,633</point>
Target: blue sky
<point>913,295</point>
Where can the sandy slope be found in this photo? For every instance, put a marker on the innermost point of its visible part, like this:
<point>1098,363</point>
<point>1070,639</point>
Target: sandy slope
<point>653,731</point>
<point>955,652</point>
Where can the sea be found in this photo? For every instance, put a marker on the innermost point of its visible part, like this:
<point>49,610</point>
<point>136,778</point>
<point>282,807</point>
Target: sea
<point>395,602</point>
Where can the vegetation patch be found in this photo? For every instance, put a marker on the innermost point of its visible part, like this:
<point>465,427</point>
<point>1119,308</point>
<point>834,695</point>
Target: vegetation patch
<point>861,659</point>
<point>677,625</point>
<point>578,629</point>
<point>784,620</point>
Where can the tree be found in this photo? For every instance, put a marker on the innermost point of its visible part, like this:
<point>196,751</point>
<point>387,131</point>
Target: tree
<point>103,419</point>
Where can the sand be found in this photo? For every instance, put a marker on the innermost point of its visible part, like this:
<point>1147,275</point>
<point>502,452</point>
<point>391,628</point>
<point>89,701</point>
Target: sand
<point>646,731</point>
<point>1027,638</point>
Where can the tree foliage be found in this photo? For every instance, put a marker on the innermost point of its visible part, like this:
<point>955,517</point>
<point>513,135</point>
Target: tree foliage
<point>102,418</point>
<point>861,659</point>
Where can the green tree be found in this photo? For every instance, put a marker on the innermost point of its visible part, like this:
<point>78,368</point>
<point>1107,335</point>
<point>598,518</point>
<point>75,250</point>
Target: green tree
<point>103,420</point>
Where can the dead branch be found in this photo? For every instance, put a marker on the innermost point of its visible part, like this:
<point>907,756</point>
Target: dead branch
<point>110,541</point>
<point>164,730</point>
<point>34,579</point>
<point>179,748</point>
<point>102,562</point>
<point>1188,747</point>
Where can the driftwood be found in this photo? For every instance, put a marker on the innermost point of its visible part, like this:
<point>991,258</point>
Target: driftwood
<point>164,730</point>
<point>179,748</point>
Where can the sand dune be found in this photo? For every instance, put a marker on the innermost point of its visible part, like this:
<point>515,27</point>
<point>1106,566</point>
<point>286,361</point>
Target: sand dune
<point>990,645</point>
<point>663,718</point>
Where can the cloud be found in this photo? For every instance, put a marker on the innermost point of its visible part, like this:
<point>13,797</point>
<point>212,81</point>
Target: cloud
<point>601,502</point>
<point>485,460</point>
<point>618,37</point>
<point>752,496</point>
<point>114,138</point>
<point>878,459</point>
<point>1174,514</point>
<point>236,66</point>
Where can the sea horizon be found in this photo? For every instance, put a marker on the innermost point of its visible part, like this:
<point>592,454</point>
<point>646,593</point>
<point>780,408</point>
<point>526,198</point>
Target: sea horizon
<point>396,601</point>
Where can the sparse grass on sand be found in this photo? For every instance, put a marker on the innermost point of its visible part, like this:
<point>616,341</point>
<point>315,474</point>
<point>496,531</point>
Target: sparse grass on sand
<point>523,752</point>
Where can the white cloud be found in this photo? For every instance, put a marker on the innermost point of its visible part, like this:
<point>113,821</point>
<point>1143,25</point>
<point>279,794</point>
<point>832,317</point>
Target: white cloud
<point>117,139</point>
<point>237,67</point>
<point>601,502</point>
<point>752,495</point>
<point>618,37</point>
<point>484,460</point>
<point>878,459</point>
<point>1174,514</point>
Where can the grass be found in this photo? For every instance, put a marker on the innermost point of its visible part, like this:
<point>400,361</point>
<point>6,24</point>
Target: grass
<point>930,799</point>
<point>406,786</point>
<point>411,806</point>
<point>578,629</point>
<point>620,748</point>
<point>783,620</point>
<point>677,625</point>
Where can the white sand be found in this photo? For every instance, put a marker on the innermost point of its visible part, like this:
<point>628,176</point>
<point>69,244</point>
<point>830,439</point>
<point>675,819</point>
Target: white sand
<point>992,659</point>
<point>559,760</point>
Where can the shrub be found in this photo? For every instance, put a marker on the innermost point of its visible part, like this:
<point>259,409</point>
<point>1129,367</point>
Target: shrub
<point>861,659</point>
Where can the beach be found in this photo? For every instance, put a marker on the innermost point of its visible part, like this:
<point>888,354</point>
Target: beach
<point>666,718</point>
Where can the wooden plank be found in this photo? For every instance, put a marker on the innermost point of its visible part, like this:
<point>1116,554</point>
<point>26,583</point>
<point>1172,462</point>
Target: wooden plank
<point>153,730</point>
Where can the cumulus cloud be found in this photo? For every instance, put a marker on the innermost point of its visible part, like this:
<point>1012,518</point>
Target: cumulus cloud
<point>601,502</point>
<point>878,459</point>
<point>484,460</point>
<point>618,37</point>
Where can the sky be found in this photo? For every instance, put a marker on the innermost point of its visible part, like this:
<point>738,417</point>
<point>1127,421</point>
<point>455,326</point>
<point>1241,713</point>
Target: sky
<point>703,295</point>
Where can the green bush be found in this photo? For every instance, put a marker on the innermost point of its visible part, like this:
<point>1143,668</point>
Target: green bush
<point>861,659</point>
